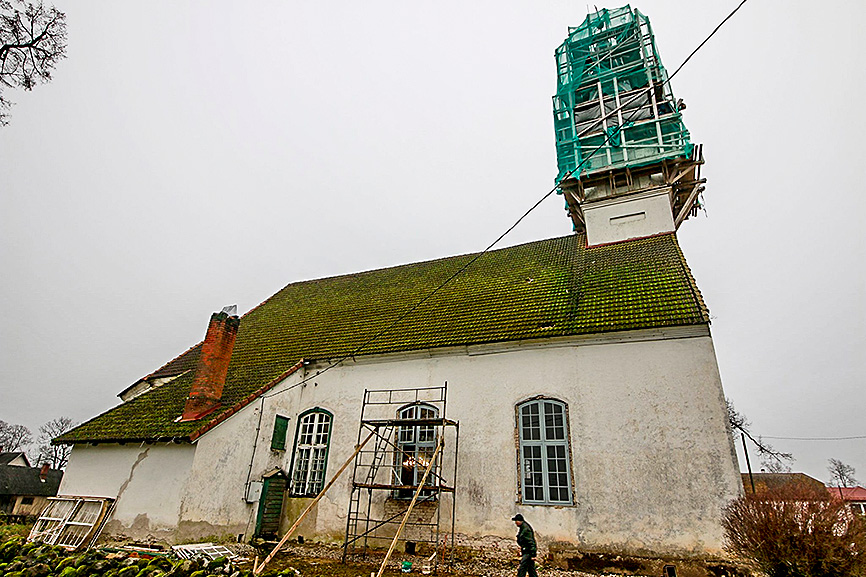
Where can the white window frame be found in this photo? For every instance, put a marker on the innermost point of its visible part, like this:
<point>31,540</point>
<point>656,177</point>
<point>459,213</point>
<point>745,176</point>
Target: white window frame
<point>71,522</point>
<point>544,452</point>
<point>310,457</point>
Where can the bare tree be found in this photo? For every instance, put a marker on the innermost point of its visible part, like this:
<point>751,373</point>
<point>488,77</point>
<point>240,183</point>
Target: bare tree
<point>14,437</point>
<point>32,41</point>
<point>773,465</point>
<point>56,456</point>
<point>736,419</point>
<point>842,475</point>
<point>771,459</point>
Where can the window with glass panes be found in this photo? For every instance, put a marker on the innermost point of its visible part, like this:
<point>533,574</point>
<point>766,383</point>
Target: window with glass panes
<point>416,446</point>
<point>311,452</point>
<point>544,454</point>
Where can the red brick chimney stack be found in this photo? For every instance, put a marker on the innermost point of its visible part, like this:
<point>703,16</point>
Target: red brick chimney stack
<point>210,377</point>
<point>43,472</point>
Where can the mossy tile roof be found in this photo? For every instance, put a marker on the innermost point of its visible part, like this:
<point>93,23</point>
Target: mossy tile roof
<point>549,288</point>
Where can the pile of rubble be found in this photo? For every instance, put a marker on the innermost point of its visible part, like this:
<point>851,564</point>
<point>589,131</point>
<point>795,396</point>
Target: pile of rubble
<point>21,559</point>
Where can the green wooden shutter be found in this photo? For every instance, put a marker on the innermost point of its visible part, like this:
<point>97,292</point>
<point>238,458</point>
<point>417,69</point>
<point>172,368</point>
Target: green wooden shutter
<point>278,441</point>
<point>271,506</point>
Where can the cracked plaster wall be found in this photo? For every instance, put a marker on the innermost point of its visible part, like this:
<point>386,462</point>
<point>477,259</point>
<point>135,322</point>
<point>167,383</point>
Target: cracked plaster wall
<point>147,481</point>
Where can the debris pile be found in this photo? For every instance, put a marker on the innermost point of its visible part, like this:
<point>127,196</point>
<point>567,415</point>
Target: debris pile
<point>21,559</point>
<point>206,551</point>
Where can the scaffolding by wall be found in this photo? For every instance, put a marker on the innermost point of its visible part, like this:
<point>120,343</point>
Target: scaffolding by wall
<point>407,427</point>
<point>612,95</point>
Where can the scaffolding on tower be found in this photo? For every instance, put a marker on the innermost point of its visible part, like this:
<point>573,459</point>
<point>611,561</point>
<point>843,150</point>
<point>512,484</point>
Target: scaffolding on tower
<point>618,126</point>
<point>407,427</point>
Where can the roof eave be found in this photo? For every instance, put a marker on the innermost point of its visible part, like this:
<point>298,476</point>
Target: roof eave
<point>245,401</point>
<point>122,440</point>
<point>191,437</point>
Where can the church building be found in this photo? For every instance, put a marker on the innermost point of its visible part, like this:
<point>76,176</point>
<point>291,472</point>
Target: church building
<point>571,379</point>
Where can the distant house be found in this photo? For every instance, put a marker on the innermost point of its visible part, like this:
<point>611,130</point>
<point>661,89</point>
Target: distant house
<point>15,459</point>
<point>775,482</point>
<point>782,482</point>
<point>854,496</point>
<point>24,490</point>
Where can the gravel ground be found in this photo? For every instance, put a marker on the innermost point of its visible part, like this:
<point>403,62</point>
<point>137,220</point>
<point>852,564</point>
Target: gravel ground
<point>324,559</point>
<point>312,559</point>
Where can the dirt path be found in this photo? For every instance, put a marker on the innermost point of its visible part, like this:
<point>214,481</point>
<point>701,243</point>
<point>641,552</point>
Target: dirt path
<point>316,559</point>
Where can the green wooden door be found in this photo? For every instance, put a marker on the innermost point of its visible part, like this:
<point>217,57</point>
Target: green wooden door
<point>271,505</point>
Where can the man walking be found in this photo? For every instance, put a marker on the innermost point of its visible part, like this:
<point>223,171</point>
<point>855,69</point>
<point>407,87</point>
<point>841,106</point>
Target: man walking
<point>528,548</point>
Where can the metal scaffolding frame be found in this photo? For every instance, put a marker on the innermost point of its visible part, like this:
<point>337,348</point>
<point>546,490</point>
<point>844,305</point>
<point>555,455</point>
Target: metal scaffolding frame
<point>619,128</point>
<point>406,425</point>
<point>613,106</point>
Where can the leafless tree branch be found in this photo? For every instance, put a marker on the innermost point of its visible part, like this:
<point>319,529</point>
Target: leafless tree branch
<point>32,42</point>
<point>842,474</point>
<point>56,456</point>
<point>14,437</point>
<point>739,422</point>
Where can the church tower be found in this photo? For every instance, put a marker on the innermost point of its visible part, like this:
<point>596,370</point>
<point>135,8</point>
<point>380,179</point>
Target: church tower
<point>627,167</point>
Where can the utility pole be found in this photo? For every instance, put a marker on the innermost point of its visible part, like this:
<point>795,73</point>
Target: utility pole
<point>748,464</point>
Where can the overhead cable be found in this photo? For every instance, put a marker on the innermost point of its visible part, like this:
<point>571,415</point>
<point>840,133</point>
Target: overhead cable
<point>490,246</point>
<point>814,438</point>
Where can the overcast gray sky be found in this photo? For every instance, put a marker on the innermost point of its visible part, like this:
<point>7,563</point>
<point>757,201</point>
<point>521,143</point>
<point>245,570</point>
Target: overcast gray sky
<point>189,155</point>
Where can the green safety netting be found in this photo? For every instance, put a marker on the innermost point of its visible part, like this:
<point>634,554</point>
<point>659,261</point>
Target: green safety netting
<point>613,106</point>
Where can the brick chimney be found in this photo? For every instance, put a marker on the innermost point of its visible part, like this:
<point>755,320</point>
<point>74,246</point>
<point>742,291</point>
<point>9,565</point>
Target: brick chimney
<point>43,472</point>
<point>210,377</point>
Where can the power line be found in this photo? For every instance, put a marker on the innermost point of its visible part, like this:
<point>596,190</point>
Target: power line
<point>814,438</point>
<point>707,39</point>
<point>431,293</point>
<point>489,247</point>
<point>607,115</point>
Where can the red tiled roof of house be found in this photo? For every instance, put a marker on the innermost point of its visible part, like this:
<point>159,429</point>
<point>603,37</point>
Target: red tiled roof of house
<point>849,493</point>
<point>765,482</point>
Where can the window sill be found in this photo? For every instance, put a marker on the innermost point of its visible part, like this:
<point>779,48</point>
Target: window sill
<point>553,505</point>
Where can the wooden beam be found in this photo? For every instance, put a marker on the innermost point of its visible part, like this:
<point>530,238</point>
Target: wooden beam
<point>412,504</point>
<point>688,205</point>
<point>689,167</point>
<point>699,155</point>
<point>260,568</point>
<point>442,488</point>
<point>574,205</point>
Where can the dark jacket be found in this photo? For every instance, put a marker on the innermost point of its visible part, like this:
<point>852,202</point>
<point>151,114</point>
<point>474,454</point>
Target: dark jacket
<point>526,539</point>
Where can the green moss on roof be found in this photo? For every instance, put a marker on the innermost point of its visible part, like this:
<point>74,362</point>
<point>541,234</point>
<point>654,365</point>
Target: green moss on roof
<point>548,288</point>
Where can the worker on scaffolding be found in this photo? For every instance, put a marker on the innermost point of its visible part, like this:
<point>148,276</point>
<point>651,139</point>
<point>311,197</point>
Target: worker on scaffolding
<point>528,548</point>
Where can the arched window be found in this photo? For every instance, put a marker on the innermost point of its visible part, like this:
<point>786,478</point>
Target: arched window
<point>416,445</point>
<point>545,470</point>
<point>311,452</point>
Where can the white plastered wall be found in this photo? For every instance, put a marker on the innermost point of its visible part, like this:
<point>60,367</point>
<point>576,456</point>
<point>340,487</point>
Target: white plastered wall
<point>147,480</point>
<point>633,216</point>
<point>652,460</point>
<point>653,463</point>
